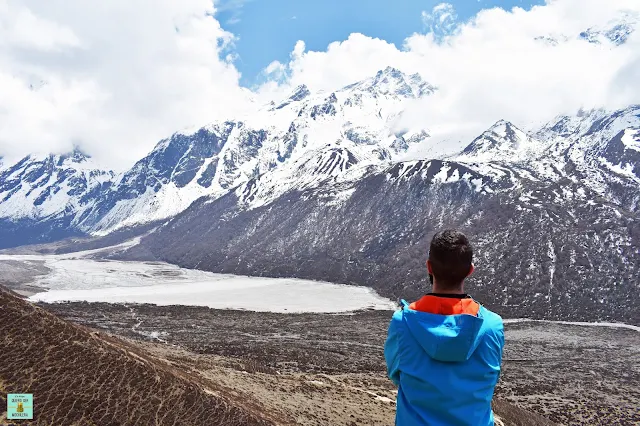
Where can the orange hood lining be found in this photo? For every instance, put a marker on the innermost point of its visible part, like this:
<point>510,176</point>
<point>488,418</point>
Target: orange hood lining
<point>439,305</point>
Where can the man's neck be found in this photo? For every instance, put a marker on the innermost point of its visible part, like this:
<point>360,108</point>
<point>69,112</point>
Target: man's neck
<point>437,290</point>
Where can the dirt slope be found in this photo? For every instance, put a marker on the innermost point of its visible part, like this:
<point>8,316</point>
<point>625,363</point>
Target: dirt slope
<point>79,377</point>
<point>316,369</point>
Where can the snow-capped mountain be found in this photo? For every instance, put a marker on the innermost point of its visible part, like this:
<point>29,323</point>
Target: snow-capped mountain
<point>312,186</point>
<point>41,187</point>
<point>554,213</point>
<point>600,149</point>
<point>283,138</point>
<point>616,32</point>
<point>311,140</point>
<point>503,142</point>
<point>42,197</point>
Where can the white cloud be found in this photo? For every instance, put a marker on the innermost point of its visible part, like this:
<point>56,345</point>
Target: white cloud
<point>493,67</point>
<point>19,27</point>
<point>342,63</point>
<point>234,7</point>
<point>275,67</point>
<point>113,77</point>
<point>442,21</point>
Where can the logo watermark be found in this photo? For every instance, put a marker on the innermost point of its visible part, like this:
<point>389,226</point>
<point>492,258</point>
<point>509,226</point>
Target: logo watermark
<point>20,406</point>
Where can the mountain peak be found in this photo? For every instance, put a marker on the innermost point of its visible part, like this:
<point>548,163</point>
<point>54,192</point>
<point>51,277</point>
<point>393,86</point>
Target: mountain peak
<point>300,92</point>
<point>501,141</point>
<point>391,72</point>
<point>616,31</point>
<point>501,123</point>
<point>392,81</point>
<point>76,155</point>
<point>503,129</point>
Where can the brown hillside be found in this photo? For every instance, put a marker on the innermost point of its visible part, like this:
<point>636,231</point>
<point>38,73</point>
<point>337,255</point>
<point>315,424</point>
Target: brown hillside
<point>80,377</point>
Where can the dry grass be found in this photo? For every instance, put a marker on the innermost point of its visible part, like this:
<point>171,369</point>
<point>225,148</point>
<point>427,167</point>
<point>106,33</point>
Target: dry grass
<point>80,377</point>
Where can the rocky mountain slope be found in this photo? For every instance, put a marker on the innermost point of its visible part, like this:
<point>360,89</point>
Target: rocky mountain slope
<point>359,119</point>
<point>312,187</point>
<point>304,127</point>
<point>83,377</point>
<point>553,214</point>
<point>41,197</point>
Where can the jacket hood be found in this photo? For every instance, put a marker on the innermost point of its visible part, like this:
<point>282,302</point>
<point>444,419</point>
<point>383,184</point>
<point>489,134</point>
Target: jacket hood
<point>446,338</point>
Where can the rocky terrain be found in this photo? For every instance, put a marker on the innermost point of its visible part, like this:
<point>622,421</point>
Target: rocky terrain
<point>539,258</point>
<point>81,377</point>
<point>329,369</point>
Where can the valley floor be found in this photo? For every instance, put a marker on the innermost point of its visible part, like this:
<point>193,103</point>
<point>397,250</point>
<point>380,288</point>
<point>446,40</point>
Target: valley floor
<point>75,277</point>
<point>319,369</point>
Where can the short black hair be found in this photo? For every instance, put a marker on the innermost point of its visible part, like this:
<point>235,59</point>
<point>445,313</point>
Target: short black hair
<point>451,256</point>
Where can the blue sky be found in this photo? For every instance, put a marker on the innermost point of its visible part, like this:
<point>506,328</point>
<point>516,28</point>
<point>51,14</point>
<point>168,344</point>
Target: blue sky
<point>267,30</point>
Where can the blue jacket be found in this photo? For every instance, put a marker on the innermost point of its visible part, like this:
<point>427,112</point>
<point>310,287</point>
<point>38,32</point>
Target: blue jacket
<point>445,366</point>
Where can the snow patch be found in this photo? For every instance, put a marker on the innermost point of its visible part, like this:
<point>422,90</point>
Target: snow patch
<point>80,279</point>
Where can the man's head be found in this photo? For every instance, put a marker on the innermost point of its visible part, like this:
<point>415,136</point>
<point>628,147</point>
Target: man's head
<point>450,259</point>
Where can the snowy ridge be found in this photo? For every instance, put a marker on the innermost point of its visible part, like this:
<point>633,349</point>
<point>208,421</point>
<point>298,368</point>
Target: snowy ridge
<point>597,148</point>
<point>595,144</point>
<point>283,139</point>
<point>503,142</point>
<point>616,32</point>
<point>329,167</point>
<point>324,144</point>
<point>271,152</point>
<point>440,172</point>
<point>43,186</point>
<point>395,83</point>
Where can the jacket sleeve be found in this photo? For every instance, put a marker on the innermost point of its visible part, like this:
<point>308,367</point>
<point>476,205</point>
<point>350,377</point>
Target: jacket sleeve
<point>500,338</point>
<point>392,348</point>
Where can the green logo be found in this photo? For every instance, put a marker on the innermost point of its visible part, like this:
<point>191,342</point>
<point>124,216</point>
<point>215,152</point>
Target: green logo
<point>20,406</point>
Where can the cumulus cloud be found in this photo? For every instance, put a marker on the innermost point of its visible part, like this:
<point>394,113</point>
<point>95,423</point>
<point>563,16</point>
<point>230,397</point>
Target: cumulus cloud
<point>276,70</point>
<point>343,62</point>
<point>523,66</point>
<point>441,21</point>
<point>111,77</point>
<point>115,77</point>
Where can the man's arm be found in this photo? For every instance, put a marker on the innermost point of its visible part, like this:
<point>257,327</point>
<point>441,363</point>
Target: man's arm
<point>392,348</point>
<point>500,339</point>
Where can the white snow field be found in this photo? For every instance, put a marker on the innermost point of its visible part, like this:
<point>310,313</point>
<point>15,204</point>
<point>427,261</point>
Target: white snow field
<point>75,278</point>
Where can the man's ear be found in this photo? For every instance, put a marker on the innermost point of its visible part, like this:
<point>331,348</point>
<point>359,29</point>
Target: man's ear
<point>429,267</point>
<point>473,268</point>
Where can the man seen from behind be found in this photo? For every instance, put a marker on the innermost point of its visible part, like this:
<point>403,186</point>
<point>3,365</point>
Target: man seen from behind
<point>444,351</point>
